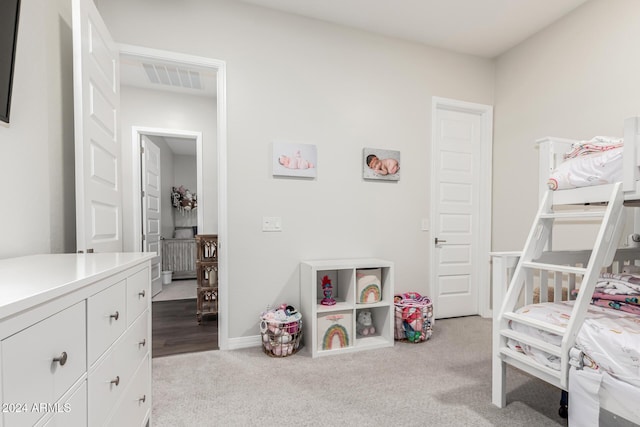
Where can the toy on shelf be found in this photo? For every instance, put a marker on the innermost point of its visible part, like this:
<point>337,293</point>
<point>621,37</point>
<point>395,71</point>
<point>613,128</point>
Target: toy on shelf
<point>364,323</point>
<point>327,290</point>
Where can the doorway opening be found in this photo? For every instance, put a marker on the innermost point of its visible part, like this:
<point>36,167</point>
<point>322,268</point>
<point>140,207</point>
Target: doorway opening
<point>210,215</point>
<point>171,166</point>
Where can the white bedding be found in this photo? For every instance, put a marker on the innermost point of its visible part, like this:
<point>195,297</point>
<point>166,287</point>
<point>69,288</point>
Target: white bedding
<point>610,339</point>
<point>591,390</point>
<point>583,171</point>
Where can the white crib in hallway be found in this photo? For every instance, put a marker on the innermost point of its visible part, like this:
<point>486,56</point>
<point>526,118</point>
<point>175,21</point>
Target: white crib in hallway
<point>179,256</point>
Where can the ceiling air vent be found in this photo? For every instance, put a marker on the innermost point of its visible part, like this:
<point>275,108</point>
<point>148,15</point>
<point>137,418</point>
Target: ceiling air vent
<point>169,75</point>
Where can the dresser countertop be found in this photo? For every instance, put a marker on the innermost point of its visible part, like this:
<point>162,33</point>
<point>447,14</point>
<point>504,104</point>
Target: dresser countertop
<point>35,279</point>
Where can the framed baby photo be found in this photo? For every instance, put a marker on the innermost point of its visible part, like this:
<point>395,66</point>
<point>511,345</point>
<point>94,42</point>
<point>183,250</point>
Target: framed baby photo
<point>380,164</point>
<point>297,160</point>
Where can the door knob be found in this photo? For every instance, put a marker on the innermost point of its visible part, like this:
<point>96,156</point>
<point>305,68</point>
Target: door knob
<point>440,241</point>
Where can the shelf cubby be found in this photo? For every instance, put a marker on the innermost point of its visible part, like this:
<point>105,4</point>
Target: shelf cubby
<point>357,284</point>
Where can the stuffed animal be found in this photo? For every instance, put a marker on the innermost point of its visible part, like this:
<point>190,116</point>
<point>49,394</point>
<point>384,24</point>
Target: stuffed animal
<point>364,323</point>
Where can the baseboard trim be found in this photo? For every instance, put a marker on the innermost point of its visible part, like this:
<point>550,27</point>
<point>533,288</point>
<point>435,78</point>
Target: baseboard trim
<point>244,342</point>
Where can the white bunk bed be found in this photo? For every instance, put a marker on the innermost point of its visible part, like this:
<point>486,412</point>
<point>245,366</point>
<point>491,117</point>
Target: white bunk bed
<point>517,275</point>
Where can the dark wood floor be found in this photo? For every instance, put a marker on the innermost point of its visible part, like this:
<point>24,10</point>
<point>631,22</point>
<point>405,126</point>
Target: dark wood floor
<point>175,328</point>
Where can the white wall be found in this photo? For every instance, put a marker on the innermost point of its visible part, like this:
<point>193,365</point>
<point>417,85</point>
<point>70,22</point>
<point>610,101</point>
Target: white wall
<point>184,172</point>
<point>148,108</point>
<point>577,79</point>
<point>302,80</point>
<point>36,148</point>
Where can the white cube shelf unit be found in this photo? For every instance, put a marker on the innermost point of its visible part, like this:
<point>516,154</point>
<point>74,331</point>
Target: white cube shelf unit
<point>331,329</point>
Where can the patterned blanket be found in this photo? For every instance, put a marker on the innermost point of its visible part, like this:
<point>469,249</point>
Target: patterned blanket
<point>617,291</point>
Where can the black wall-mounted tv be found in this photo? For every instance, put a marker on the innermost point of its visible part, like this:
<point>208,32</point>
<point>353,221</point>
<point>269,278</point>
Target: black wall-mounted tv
<point>9,14</point>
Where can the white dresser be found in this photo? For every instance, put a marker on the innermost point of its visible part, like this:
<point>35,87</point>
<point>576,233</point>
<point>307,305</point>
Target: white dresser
<point>75,340</point>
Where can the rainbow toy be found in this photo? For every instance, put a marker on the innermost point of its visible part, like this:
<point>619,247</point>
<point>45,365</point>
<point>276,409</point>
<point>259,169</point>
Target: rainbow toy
<point>335,330</point>
<point>370,293</point>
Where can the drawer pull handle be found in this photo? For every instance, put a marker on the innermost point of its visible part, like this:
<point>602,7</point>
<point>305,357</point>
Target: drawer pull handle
<point>115,316</point>
<point>143,398</point>
<point>143,342</point>
<point>142,293</point>
<point>116,381</point>
<point>62,359</point>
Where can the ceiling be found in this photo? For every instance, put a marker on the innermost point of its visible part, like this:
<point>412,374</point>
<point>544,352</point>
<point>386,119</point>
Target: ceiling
<point>181,146</point>
<point>485,28</point>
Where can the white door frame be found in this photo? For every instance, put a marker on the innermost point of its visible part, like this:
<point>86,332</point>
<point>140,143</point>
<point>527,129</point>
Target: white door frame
<point>136,134</point>
<point>481,237</point>
<point>221,100</point>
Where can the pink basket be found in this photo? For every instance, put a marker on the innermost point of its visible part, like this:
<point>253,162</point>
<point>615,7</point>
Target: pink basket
<point>413,317</point>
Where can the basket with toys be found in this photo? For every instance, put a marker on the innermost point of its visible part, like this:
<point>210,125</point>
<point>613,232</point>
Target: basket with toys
<point>281,330</point>
<point>413,317</point>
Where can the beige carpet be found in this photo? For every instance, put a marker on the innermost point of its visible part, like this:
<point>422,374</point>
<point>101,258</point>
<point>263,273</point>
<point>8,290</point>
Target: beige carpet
<point>177,289</point>
<point>445,381</point>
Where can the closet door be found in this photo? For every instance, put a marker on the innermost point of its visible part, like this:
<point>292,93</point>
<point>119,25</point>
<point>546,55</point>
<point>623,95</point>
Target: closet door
<point>461,207</point>
<point>97,134</point>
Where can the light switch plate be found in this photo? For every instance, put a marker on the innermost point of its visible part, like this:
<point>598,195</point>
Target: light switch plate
<point>271,223</point>
<point>425,224</point>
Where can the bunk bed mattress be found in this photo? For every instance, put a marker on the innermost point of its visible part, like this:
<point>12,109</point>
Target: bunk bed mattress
<point>609,339</point>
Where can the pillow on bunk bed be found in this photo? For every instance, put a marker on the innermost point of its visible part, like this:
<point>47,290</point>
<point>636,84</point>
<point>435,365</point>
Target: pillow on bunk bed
<point>597,144</point>
<point>583,171</point>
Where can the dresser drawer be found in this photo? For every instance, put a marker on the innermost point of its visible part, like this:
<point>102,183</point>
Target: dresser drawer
<point>138,294</point>
<point>30,372</point>
<point>106,385</point>
<point>136,404</point>
<point>73,412</point>
<point>107,319</point>
<point>134,345</point>
<point>115,372</point>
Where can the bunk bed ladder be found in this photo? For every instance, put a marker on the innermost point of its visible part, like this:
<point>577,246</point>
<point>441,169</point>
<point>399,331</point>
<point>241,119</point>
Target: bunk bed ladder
<point>602,255</point>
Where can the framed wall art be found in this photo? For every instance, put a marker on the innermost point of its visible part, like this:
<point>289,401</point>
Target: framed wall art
<point>297,160</point>
<point>380,164</point>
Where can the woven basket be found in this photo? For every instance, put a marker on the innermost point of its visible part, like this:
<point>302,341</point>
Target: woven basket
<point>280,339</point>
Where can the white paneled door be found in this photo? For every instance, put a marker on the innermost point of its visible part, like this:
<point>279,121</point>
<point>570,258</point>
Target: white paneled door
<point>457,162</point>
<point>97,134</point>
<point>151,197</point>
